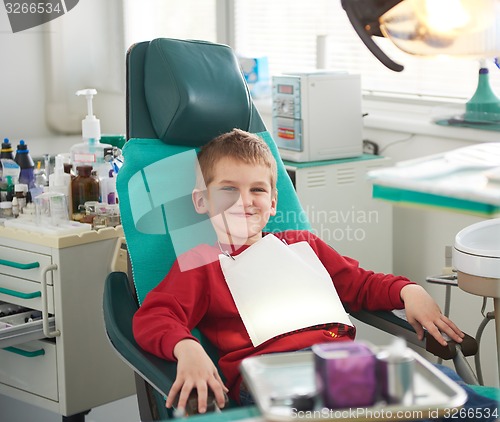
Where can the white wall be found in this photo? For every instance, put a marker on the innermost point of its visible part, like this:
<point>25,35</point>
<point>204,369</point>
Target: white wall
<point>25,87</point>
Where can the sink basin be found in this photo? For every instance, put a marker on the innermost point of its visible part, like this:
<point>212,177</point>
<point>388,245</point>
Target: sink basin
<point>476,257</point>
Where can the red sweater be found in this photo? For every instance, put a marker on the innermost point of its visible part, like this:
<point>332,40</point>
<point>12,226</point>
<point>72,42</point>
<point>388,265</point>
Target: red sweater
<point>199,297</point>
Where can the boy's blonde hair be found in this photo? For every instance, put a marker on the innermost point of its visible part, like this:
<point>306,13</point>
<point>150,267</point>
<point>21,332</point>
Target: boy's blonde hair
<point>239,145</point>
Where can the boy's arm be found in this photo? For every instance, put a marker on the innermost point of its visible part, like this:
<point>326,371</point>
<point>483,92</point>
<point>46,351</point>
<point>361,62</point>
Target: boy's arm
<point>170,311</point>
<point>360,288</point>
<point>195,370</point>
<point>422,311</point>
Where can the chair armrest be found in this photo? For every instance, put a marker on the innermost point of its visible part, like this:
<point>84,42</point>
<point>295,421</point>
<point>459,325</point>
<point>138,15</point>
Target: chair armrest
<point>389,322</point>
<point>119,308</point>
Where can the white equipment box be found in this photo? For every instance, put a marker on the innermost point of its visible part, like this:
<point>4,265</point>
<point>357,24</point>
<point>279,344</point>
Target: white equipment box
<point>317,116</point>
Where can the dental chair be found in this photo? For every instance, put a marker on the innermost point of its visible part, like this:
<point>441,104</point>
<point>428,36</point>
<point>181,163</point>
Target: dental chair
<point>181,94</point>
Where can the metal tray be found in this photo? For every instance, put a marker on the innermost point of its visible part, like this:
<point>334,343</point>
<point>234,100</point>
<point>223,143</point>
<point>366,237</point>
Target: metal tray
<point>289,374</point>
<point>14,330</point>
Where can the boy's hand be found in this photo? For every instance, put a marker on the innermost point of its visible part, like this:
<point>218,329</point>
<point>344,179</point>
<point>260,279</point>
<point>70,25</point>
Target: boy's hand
<point>195,370</point>
<point>422,311</point>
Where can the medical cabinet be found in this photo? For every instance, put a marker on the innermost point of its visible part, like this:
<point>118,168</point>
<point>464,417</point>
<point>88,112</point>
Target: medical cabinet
<point>60,359</point>
<point>337,197</point>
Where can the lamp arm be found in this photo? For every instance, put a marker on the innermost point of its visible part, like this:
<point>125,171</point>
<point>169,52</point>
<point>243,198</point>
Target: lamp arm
<point>364,18</point>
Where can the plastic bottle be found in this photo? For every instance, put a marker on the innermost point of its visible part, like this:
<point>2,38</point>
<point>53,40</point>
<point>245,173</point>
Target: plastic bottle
<point>60,181</point>
<point>84,188</point>
<point>25,162</point>
<point>15,207</point>
<point>111,188</point>
<point>90,152</point>
<point>7,151</point>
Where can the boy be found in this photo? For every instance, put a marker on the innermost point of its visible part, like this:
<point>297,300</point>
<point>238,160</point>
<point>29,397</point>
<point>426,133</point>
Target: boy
<point>239,172</point>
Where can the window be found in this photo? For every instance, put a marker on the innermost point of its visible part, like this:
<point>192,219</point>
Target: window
<point>286,32</point>
<point>184,19</point>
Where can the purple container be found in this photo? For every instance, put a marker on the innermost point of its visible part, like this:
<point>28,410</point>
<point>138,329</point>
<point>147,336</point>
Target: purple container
<point>345,374</point>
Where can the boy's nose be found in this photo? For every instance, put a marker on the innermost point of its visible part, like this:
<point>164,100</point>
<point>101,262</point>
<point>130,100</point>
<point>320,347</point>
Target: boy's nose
<point>246,198</point>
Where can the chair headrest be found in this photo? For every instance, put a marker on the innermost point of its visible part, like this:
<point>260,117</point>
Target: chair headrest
<point>194,91</point>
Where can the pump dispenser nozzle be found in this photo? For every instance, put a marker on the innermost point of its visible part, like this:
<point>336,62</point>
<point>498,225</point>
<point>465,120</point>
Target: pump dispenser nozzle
<point>91,127</point>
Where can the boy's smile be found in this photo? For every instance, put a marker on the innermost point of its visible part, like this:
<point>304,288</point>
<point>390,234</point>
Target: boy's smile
<point>239,201</point>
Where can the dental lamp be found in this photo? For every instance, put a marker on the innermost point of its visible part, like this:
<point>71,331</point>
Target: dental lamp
<point>461,28</point>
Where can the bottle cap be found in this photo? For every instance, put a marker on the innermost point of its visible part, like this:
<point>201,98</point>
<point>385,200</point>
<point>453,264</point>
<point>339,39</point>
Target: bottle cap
<point>19,187</point>
<point>22,148</point>
<point>6,146</point>
<point>84,170</point>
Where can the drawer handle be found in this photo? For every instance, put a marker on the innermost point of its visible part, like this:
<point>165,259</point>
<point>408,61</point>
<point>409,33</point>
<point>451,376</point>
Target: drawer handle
<point>45,306</point>
<point>18,265</point>
<point>25,353</point>
<point>20,295</point>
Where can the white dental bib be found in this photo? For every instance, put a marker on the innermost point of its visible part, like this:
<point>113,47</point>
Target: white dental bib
<point>280,288</point>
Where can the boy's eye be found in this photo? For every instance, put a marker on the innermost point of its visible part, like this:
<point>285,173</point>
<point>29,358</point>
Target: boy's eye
<point>228,188</point>
<point>258,190</point>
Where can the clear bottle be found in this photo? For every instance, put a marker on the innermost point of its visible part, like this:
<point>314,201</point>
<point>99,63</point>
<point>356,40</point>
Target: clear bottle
<point>60,181</point>
<point>15,207</point>
<point>84,188</point>
<point>25,162</point>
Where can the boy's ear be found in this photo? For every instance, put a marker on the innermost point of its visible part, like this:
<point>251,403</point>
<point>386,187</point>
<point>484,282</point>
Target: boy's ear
<point>274,203</point>
<point>199,201</point>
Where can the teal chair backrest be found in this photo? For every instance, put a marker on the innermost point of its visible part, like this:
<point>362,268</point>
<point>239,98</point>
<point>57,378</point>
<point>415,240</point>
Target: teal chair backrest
<point>181,94</point>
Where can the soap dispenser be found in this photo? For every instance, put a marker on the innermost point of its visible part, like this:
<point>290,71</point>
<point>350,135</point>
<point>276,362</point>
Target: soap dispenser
<point>90,152</point>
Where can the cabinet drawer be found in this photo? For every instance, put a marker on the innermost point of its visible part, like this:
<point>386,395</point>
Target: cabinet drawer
<point>31,367</point>
<point>24,264</point>
<point>23,327</point>
<point>25,293</point>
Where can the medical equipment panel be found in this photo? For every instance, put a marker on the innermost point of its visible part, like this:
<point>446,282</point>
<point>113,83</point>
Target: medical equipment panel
<point>317,116</point>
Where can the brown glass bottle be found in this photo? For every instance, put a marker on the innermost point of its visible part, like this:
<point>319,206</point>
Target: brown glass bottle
<point>84,187</point>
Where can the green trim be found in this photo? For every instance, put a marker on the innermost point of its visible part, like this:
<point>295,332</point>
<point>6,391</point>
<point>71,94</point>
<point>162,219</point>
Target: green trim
<point>404,196</point>
<point>472,125</point>
<point>229,414</point>
<point>18,265</point>
<point>364,157</point>
<point>485,391</point>
<point>20,295</point>
<point>25,353</point>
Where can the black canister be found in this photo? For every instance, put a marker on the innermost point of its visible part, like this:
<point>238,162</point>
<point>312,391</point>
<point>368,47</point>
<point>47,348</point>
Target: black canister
<point>25,162</point>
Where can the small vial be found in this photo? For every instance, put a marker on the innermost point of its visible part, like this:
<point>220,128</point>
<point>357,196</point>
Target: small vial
<point>6,209</point>
<point>15,207</point>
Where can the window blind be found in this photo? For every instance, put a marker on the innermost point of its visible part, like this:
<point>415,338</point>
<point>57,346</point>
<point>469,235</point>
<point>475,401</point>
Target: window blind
<point>286,31</point>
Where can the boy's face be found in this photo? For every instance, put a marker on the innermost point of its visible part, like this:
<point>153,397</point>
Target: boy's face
<point>239,201</point>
